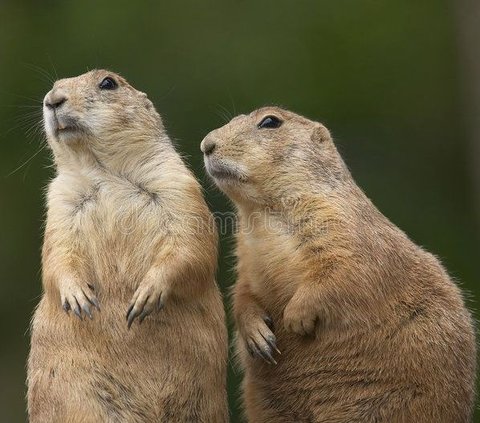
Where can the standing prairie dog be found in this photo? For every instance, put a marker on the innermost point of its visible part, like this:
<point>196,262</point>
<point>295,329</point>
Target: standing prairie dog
<point>369,325</point>
<point>128,237</point>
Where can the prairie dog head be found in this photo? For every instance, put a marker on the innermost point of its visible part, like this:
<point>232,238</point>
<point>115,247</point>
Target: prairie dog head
<point>97,111</point>
<point>270,154</point>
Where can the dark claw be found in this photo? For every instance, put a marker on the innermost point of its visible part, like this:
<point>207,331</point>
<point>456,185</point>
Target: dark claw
<point>269,322</point>
<point>128,311</point>
<point>132,315</point>
<point>267,355</point>
<point>91,286</point>
<point>95,303</point>
<point>272,343</point>
<point>253,349</point>
<point>77,312</point>
<point>86,309</point>
<point>142,316</point>
<point>160,303</point>
<point>131,318</point>
<point>66,306</point>
<point>256,351</point>
<point>271,340</point>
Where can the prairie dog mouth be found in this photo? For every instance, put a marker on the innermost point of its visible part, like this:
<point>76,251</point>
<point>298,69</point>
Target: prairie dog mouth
<point>61,124</point>
<point>222,171</point>
<point>65,123</point>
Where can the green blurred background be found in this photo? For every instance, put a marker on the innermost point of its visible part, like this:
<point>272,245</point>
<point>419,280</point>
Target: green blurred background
<point>396,82</point>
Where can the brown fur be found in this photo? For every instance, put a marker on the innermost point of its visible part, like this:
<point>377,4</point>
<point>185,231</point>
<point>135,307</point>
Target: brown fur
<point>126,225</point>
<point>370,326</point>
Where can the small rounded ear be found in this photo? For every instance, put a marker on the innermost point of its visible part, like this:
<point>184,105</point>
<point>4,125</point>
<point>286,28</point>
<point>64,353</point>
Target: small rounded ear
<point>320,133</point>
<point>148,104</point>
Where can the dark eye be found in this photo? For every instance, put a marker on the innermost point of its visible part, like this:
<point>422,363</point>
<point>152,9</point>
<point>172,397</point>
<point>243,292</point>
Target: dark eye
<point>108,84</point>
<point>270,122</point>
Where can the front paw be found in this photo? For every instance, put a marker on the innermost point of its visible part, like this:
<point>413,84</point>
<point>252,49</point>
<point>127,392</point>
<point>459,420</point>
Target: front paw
<point>79,297</point>
<point>150,296</point>
<point>299,318</point>
<point>260,340</point>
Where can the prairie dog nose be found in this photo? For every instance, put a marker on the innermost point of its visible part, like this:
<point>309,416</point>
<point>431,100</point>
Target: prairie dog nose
<point>207,146</point>
<point>55,98</point>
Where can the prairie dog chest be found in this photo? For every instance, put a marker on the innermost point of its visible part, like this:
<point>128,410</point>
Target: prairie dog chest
<point>110,217</point>
<point>271,256</point>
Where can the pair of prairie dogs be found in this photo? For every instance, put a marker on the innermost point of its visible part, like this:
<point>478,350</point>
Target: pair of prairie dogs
<point>340,317</point>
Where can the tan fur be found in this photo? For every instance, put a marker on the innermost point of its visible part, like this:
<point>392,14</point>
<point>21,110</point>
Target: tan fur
<point>370,326</point>
<point>126,225</point>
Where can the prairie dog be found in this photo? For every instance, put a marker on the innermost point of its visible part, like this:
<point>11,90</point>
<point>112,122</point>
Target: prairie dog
<point>370,326</point>
<point>128,237</point>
